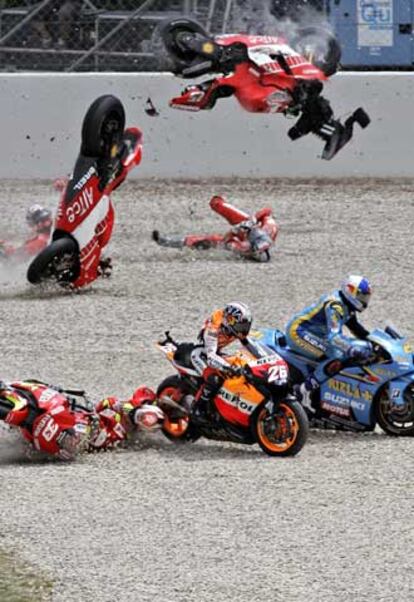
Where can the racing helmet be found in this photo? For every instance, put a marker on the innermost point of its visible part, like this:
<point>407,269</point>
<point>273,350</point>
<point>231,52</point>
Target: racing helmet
<point>143,395</point>
<point>237,319</point>
<point>38,217</point>
<point>357,292</point>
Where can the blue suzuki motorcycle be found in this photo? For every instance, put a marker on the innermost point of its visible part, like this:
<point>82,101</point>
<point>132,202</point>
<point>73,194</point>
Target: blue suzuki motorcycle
<point>380,391</point>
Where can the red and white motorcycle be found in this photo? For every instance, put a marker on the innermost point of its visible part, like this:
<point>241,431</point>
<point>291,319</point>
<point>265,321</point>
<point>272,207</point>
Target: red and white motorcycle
<point>85,217</point>
<point>266,74</point>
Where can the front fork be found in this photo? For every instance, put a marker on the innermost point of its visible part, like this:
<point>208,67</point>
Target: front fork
<point>400,406</point>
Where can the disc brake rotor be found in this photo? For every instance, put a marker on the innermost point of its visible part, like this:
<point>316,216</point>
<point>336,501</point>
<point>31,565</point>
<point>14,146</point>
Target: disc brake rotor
<point>61,268</point>
<point>278,427</point>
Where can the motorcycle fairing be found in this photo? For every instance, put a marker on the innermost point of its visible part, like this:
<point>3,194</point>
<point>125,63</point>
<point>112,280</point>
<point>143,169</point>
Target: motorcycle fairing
<point>258,52</point>
<point>236,401</point>
<point>349,397</point>
<point>276,341</point>
<point>350,393</point>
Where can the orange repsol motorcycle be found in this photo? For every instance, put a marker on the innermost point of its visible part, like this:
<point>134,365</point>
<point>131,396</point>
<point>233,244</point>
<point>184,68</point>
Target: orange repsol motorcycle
<point>251,408</point>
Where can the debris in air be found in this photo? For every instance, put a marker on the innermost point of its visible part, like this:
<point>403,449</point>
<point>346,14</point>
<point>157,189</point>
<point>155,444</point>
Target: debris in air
<point>150,108</point>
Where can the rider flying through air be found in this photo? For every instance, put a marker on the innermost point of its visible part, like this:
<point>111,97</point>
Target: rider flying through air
<point>317,333</point>
<point>265,74</point>
<point>251,236</point>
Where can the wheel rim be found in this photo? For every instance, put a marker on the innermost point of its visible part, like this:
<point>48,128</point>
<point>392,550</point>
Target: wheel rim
<point>398,419</point>
<point>61,268</point>
<point>111,133</point>
<point>176,427</point>
<point>278,432</point>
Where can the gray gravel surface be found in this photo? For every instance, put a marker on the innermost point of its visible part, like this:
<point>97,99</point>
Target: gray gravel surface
<point>210,521</point>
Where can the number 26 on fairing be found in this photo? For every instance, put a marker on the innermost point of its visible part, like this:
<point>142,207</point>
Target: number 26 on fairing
<point>277,374</point>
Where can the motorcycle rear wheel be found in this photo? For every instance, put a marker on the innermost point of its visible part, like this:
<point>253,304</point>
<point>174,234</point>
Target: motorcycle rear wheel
<point>319,47</point>
<point>59,261</point>
<point>176,428</point>
<point>389,421</point>
<point>283,434</point>
<point>103,128</point>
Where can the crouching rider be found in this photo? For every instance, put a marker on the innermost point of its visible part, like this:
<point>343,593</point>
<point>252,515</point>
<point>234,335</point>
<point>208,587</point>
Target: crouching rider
<point>317,333</point>
<point>223,327</point>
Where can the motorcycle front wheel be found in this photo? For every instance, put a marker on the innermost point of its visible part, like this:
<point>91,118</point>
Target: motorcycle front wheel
<point>319,47</point>
<point>58,262</point>
<point>103,128</point>
<point>396,421</point>
<point>284,432</point>
<point>172,30</point>
<point>177,426</point>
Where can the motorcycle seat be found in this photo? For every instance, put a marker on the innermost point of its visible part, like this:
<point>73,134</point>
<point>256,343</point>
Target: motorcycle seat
<point>182,355</point>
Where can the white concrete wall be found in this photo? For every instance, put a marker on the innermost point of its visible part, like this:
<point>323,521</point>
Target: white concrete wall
<point>41,116</point>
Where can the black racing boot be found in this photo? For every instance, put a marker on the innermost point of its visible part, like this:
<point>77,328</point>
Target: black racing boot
<point>316,117</point>
<point>201,408</point>
<point>202,413</point>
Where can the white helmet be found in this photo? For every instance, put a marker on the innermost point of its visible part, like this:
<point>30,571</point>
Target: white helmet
<point>357,291</point>
<point>237,319</point>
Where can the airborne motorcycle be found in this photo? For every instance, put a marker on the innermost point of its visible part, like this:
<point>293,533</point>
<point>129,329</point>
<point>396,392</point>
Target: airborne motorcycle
<point>85,216</point>
<point>266,74</point>
<point>358,397</point>
<point>252,408</point>
<point>52,420</point>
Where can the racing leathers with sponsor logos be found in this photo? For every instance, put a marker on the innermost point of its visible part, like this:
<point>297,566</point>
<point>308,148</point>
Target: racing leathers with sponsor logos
<point>222,328</point>
<point>251,236</point>
<point>119,419</point>
<point>317,333</point>
<point>114,420</point>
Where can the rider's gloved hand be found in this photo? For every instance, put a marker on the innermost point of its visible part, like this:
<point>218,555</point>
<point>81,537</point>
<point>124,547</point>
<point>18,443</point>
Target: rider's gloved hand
<point>360,350</point>
<point>235,370</point>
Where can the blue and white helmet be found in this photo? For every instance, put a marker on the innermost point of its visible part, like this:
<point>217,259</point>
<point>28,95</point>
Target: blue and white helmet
<point>357,291</point>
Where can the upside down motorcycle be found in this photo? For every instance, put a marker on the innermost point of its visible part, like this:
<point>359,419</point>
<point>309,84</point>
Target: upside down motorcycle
<point>85,216</point>
<point>358,397</point>
<point>251,408</point>
<point>266,74</point>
